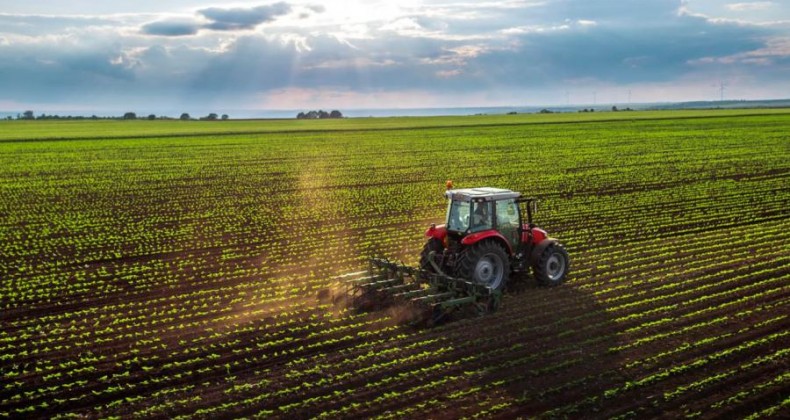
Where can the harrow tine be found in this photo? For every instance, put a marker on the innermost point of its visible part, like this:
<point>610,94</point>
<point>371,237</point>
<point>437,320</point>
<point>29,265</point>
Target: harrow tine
<point>401,288</point>
<point>364,280</point>
<point>433,298</point>
<point>346,275</point>
<point>381,284</point>
<point>414,293</point>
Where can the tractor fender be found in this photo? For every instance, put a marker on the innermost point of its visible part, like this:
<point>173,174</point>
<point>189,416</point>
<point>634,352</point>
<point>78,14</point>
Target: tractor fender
<point>439,232</point>
<point>487,234</point>
<point>532,234</point>
<point>539,248</point>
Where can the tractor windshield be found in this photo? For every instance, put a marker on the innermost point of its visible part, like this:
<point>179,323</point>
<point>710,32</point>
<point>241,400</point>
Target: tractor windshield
<point>458,215</point>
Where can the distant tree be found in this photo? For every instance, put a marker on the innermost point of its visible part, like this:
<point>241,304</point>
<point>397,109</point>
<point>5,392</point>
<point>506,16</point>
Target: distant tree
<point>225,117</point>
<point>546,111</point>
<point>27,115</point>
<point>211,117</point>
<point>309,115</point>
<point>130,116</point>
<point>614,108</point>
<point>185,116</point>
<point>151,117</point>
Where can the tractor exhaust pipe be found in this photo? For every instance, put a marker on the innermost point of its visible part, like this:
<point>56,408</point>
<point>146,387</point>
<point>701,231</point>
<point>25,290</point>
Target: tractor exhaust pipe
<point>529,211</point>
<point>532,204</point>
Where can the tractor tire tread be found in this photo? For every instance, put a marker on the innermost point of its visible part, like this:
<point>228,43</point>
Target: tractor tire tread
<point>539,268</point>
<point>467,259</point>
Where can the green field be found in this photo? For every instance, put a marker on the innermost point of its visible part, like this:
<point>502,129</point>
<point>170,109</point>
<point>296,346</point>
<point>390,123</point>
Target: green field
<point>39,130</point>
<point>172,268</point>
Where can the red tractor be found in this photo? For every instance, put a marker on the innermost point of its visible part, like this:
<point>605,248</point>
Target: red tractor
<point>468,260</point>
<point>486,237</point>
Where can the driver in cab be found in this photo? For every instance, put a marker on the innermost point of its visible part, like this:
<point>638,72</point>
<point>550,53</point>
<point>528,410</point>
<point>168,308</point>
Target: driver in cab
<point>481,219</point>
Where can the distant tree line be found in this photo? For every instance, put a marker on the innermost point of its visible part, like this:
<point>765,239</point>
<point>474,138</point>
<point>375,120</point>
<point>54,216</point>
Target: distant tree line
<point>614,109</point>
<point>320,114</point>
<point>29,115</point>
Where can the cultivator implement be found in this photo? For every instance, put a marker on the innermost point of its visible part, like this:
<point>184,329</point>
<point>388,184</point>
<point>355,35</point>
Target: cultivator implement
<point>424,297</point>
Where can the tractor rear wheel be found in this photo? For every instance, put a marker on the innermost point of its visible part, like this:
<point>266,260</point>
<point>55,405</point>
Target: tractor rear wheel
<point>484,263</point>
<point>433,245</point>
<point>552,266</point>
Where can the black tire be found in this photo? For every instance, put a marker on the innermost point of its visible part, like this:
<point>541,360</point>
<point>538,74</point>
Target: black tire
<point>433,245</point>
<point>486,263</point>
<point>552,266</point>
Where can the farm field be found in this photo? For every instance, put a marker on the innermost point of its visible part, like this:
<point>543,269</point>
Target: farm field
<point>180,270</point>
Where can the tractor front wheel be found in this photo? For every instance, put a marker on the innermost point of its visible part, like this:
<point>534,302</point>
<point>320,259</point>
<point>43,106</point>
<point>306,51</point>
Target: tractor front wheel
<point>484,263</point>
<point>552,266</point>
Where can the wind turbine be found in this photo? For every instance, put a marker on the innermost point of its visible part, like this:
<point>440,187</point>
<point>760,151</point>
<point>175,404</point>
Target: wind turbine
<point>722,86</point>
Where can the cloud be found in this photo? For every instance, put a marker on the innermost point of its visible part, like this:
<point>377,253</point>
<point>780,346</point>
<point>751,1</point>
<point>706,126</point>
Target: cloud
<point>171,28</point>
<point>243,18</point>
<point>756,5</point>
<point>762,13</point>
<point>60,71</point>
<point>442,53</point>
<point>219,19</point>
<point>37,25</point>
<point>775,51</point>
<point>317,8</point>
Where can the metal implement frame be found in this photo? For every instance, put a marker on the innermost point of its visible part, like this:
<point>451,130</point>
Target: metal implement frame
<point>436,295</point>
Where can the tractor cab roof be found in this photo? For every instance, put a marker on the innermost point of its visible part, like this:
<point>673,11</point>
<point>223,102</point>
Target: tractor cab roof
<point>481,194</point>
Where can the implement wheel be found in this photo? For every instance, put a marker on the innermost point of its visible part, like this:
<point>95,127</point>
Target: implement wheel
<point>552,265</point>
<point>484,263</point>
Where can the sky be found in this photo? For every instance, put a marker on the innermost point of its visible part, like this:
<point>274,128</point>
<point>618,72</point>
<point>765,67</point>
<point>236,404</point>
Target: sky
<point>152,56</point>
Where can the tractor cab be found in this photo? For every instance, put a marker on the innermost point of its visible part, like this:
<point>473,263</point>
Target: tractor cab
<point>474,210</point>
